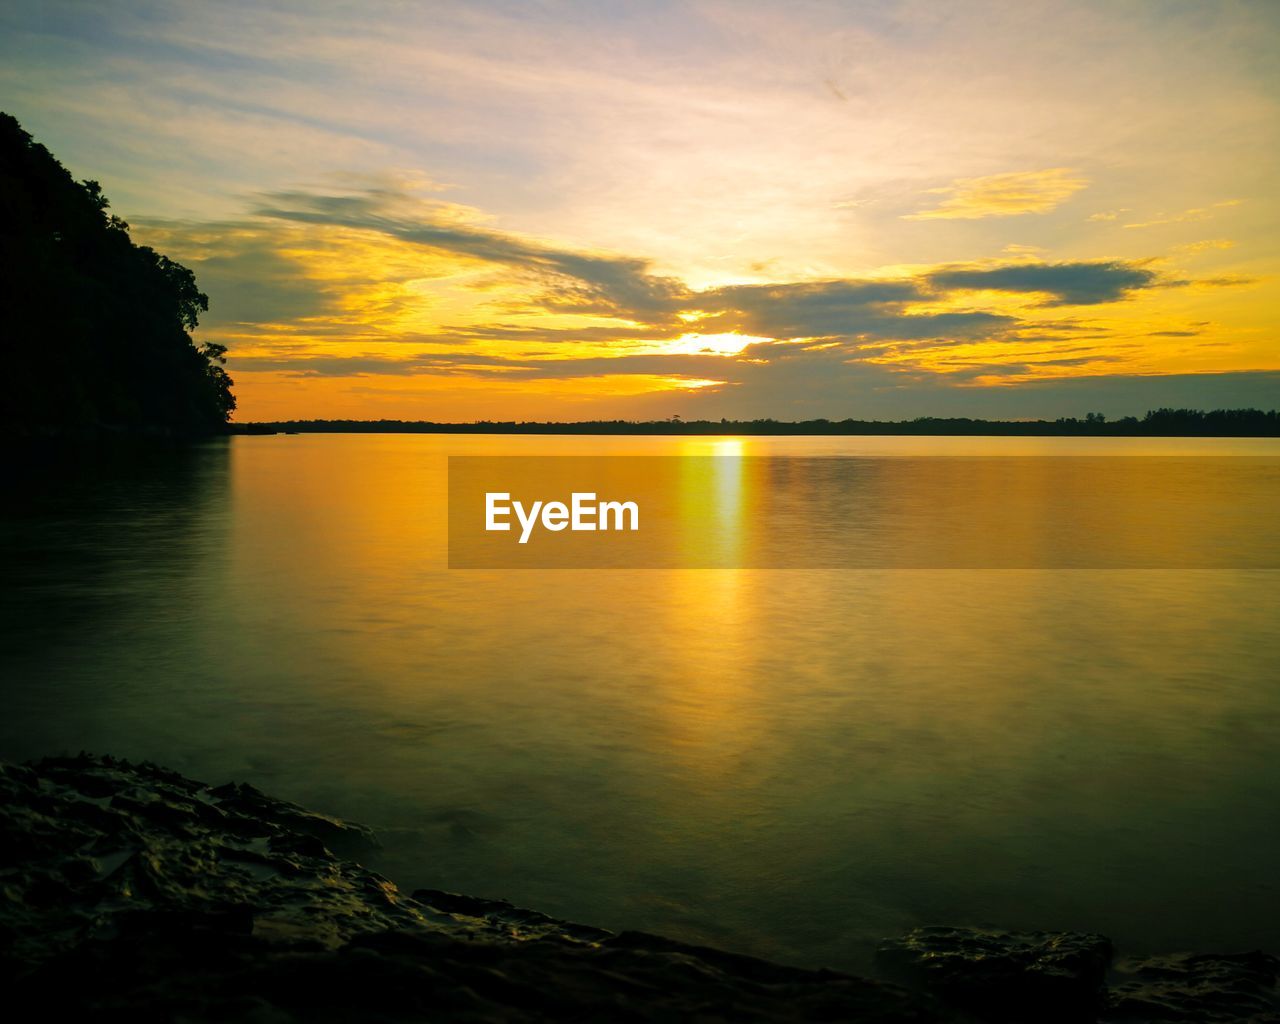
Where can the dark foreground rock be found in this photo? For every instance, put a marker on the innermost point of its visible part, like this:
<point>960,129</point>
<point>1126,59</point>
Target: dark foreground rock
<point>1059,977</point>
<point>128,892</point>
<point>1196,988</point>
<point>1015,976</point>
<point>132,893</point>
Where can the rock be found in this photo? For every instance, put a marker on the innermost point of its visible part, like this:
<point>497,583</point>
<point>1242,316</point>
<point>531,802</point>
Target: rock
<point>255,807</point>
<point>1004,976</point>
<point>129,892</point>
<point>1196,988</point>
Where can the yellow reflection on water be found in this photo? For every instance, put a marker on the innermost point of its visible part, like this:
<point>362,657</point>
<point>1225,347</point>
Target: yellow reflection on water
<point>713,494</point>
<point>791,763</point>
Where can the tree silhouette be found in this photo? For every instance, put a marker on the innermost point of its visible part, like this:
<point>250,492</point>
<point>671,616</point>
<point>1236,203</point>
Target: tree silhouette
<point>95,329</point>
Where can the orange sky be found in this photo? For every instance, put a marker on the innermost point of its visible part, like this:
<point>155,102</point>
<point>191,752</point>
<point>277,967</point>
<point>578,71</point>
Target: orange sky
<point>700,209</point>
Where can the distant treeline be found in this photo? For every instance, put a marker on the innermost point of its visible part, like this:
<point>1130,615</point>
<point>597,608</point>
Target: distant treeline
<point>94,330</point>
<point>1156,423</point>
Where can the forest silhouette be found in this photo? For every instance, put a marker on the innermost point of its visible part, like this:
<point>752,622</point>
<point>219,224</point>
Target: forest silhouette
<point>96,329</point>
<point>1156,423</point>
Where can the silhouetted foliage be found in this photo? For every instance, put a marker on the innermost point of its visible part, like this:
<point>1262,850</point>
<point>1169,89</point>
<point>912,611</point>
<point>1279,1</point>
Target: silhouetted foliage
<point>94,328</point>
<point>1159,423</point>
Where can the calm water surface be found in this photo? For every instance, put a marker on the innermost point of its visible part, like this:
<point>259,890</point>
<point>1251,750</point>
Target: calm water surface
<point>790,763</point>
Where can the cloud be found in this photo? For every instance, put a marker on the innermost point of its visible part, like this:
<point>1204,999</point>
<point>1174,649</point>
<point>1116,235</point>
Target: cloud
<point>1107,214</point>
<point>846,308</point>
<point>691,366</point>
<point>625,288</point>
<point>822,385</point>
<point>375,282</point>
<point>1197,214</point>
<point>818,379</point>
<point>1222,282</point>
<point>1205,244</point>
<point>1004,195</point>
<point>574,281</point>
<point>243,266</point>
<point>1069,284</point>
<point>701,135</point>
<point>764,361</point>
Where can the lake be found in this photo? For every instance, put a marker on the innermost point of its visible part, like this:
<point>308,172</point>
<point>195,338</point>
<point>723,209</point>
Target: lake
<point>787,762</point>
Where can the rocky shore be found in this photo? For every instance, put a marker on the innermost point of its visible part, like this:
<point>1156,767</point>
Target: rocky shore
<point>133,893</point>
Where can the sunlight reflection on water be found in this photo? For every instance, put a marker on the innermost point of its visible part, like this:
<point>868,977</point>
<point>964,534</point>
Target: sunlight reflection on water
<point>789,763</point>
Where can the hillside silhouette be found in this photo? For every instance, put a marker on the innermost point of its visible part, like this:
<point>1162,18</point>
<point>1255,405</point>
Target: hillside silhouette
<point>95,329</point>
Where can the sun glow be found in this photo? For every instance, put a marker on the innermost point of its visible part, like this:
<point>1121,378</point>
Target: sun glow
<point>729,344</point>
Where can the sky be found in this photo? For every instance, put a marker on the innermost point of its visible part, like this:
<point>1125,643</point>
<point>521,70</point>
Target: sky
<point>565,211</point>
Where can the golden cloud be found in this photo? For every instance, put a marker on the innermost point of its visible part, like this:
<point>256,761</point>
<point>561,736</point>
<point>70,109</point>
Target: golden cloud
<point>1004,195</point>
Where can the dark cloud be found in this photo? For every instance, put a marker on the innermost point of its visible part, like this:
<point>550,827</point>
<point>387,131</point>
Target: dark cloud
<point>824,385</point>
<point>960,371</point>
<point>626,287</point>
<point>866,309</point>
<point>243,270</point>
<point>817,298</point>
<point>575,282</point>
<point>804,310</point>
<point>1070,284</point>
<point>1223,282</point>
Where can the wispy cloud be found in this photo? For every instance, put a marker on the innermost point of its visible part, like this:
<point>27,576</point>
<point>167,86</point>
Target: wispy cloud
<point>1004,195</point>
<point>1196,214</point>
<point>1204,245</point>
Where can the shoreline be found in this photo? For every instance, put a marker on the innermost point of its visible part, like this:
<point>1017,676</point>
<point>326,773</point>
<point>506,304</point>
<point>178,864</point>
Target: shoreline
<point>1157,423</point>
<point>204,903</point>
